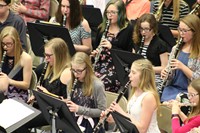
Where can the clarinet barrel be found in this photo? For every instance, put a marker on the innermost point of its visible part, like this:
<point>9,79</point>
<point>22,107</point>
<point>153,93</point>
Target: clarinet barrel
<point>41,78</point>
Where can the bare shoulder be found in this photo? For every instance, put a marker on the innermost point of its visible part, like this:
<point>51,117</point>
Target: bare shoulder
<point>65,76</point>
<point>149,99</point>
<point>25,59</point>
<point>85,25</point>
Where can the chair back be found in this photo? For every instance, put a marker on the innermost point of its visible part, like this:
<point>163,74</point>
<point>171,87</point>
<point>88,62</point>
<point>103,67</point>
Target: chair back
<point>111,96</point>
<point>164,119</point>
<point>53,7</point>
<point>33,83</point>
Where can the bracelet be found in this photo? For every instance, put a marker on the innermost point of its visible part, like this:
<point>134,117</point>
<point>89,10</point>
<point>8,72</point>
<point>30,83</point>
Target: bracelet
<point>175,115</point>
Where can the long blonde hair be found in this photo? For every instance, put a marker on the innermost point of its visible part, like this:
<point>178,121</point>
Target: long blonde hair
<point>61,58</point>
<point>82,58</point>
<point>12,32</point>
<point>193,22</point>
<point>176,8</point>
<point>147,77</point>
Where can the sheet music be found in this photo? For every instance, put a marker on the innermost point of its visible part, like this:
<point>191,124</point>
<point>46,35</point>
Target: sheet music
<point>12,111</point>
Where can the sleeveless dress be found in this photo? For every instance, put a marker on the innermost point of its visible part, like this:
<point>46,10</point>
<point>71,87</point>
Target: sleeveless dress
<point>14,92</point>
<point>134,108</point>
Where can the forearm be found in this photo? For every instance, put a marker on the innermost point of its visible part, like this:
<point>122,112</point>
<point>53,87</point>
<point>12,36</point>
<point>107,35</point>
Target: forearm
<point>19,84</point>
<point>91,112</point>
<point>83,48</point>
<point>187,71</point>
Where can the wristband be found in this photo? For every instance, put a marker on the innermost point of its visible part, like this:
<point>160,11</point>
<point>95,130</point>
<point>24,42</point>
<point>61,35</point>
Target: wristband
<point>175,115</point>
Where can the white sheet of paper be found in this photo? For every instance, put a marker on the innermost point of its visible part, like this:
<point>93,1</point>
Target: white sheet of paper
<point>12,111</point>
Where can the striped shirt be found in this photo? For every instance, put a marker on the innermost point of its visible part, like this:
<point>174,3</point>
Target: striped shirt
<point>144,54</point>
<point>167,14</point>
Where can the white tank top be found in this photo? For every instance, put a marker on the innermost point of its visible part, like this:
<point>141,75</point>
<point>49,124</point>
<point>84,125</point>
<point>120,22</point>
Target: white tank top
<point>134,108</point>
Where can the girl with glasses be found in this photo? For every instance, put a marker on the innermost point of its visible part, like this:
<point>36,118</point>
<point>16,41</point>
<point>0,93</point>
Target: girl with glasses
<point>15,57</point>
<point>152,47</point>
<point>193,119</point>
<point>114,35</point>
<point>86,97</point>
<point>185,67</point>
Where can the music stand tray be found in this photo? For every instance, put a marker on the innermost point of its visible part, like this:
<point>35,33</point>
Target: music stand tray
<point>15,113</point>
<point>62,117</point>
<point>124,123</point>
<point>40,33</point>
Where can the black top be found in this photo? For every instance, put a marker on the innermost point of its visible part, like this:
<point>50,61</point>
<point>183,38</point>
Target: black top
<point>155,48</point>
<point>55,87</point>
<point>122,41</point>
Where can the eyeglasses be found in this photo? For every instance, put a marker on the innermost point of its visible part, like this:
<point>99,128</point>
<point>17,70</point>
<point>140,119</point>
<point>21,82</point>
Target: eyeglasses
<point>111,12</point>
<point>145,29</point>
<point>191,95</point>
<point>1,6</point>
<point>78,71</point>
<point>8,44</point>
<point>47,55</point>
<point>183,30</point>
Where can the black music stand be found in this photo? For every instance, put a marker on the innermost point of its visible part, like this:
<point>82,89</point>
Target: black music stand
<point>166,35</point>
<point>40,33</point>
<point>124,123</point>
<point>56,113</point>
<point>122,61</point>
<point>93,16</point>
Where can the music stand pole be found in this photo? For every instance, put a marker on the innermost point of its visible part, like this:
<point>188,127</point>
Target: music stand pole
<point>53,119</point>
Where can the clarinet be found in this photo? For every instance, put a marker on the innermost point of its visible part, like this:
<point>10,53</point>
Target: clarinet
<point>195,9</point>
<point>73,89</point>
<point>2,60</point>
<point>64,20</point>
<point>100,123</point>
<point>40,81</point>
<point>169,70</point>
<point>141,45</point>
<point>100,48</point>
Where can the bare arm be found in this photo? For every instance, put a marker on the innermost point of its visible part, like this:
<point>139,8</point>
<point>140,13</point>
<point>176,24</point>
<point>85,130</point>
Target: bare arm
<point>149,105</point>
<point>26,63</point>
<point>86,42</point>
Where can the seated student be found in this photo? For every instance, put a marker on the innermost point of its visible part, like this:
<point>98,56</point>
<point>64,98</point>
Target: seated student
<point>144,101</point>
<point>115,32</point>
<point>56,75</point>
<point>8,18</point>
<point>185,67</point>
<point>193,120</point>
<point>69,15</point>
<point>87,99</point>
<point>16,61</point>
<point>149,44</point>
<point>57,71</point>
<point>32,10</point>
